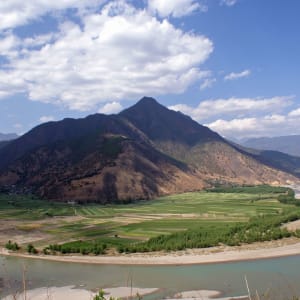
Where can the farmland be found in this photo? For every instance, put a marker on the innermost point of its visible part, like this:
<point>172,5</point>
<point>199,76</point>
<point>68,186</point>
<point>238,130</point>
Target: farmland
<point>25,219</point>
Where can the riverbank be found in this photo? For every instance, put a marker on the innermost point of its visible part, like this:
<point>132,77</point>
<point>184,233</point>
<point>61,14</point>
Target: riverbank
<point>62,293</point>
<point>220,254</point>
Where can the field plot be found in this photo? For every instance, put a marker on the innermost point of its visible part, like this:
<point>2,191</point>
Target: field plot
<point>27,220</point>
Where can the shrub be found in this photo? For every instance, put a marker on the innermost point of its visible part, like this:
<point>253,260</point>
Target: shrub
<point>31,249</point>
<point>12,246</point>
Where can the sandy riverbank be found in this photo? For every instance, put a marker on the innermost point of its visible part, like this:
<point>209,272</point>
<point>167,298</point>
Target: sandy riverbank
<point>284,247</point>
<point>70,292</point>
<point>62,293</point>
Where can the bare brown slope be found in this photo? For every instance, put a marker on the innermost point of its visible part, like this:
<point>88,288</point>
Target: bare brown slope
<point>145,151</point>
<point>185,140</point>
<point>116,170</point>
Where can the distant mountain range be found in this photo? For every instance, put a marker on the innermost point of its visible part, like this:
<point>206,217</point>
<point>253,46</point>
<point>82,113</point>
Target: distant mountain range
<point>287,144</point>
<point>8,136</point>
<point>145,151</point>
<point>274,159</point>
<point>5,138</point>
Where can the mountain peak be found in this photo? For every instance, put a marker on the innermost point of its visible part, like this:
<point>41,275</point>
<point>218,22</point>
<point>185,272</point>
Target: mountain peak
<point>162,124</point>
<point>147,108</point>
<point>148,103</point>
<point>147,100</point>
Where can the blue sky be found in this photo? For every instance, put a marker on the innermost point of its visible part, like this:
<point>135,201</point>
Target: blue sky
<point>232,65</point>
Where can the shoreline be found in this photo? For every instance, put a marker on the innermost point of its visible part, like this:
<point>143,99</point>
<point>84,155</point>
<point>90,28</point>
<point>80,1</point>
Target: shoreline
<point>221,254</point>
<point>61,293</point>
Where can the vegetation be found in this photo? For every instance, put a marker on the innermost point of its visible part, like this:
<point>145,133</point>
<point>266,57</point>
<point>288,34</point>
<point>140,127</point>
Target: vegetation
<point>258,229</point>
<point>259,189</point>
<point>31,249</point>
<point>289,198</point>
<point>83,247</point>
<point>112,146</point>
<point>100,296</point>
<point>12,246</point>
<point>286,195</point>
<point>219,216</point>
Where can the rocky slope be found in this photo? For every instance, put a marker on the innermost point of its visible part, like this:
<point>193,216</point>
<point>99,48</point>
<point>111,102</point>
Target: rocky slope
<point>143,152</point>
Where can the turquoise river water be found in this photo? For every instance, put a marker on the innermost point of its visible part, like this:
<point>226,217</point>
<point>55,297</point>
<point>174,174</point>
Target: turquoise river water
<point>279,277</point>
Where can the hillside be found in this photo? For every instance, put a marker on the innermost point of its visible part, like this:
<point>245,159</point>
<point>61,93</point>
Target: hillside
<point>3,143</point>
<point>182,138</point>
<point>286,144</point>
<point>275,159</point>
<point>145,151</point>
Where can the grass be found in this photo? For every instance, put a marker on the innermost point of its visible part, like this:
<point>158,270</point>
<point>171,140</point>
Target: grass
<point>121,224</point>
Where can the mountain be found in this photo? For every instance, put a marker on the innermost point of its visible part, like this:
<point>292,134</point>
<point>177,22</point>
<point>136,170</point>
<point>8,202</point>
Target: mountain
<point>274,159</point>
<point>3,143</point>
<point>145,151</point>
<point>99,158</point>
<point>287,144</point>
<point>7,136</point>
<point>180,137</point>
<point>161,124</point>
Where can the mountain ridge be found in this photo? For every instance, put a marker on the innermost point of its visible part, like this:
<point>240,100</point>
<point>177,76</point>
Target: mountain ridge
<point>7,136</point>
<point>289,144</point>
<point>143,152</point>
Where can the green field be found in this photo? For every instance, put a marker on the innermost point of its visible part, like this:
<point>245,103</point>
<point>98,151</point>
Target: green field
<point>24,218</point>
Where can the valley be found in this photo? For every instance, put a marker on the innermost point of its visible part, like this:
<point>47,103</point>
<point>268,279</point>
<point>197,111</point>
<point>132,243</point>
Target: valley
<point>41,223</point>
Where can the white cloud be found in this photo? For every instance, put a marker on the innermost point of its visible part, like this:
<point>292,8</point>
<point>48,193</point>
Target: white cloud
<point>295,113</point>
<point>228,2</point>
<point>234,106</point>
<point>238,118</point>
<point>269,125</point>
<point>225,127</point>
<point>233,76</point>
<point>111,108</point>
<point>175,8</point>
<point>14,13</point>
<point>207,83</point>
<point>45,119</point>
<point>121,52</point>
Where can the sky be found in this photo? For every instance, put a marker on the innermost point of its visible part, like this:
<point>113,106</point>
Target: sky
<point>232,65</point>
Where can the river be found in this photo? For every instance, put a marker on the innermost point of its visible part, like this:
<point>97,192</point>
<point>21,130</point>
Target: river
<point>280,276</point>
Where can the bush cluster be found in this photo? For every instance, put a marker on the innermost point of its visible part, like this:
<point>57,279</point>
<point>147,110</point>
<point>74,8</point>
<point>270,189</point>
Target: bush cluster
<point>83,247</point>
<point>12,246</point>
<point>258,189</point>
<point>31,249</point>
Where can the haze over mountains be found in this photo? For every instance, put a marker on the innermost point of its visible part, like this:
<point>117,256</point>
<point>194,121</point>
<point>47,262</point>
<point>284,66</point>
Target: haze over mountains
<point>286,144</point>
<point>7,136</point>
<point>145,151</point>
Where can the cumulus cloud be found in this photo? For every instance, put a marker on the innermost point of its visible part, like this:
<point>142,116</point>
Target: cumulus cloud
<point>228,2</point>
<point>269,125</point>
<point>234,106</point>
<point>295,113</point>
<point>233,76</point>
<point>14,13</point>
<point>44,119</point>
<point>246,117</point>
<point>111,108</point>
<point>175,8</point>
<point>121,52</point>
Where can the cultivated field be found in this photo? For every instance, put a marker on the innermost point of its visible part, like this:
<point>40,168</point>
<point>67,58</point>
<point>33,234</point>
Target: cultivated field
<point>26,220</point>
